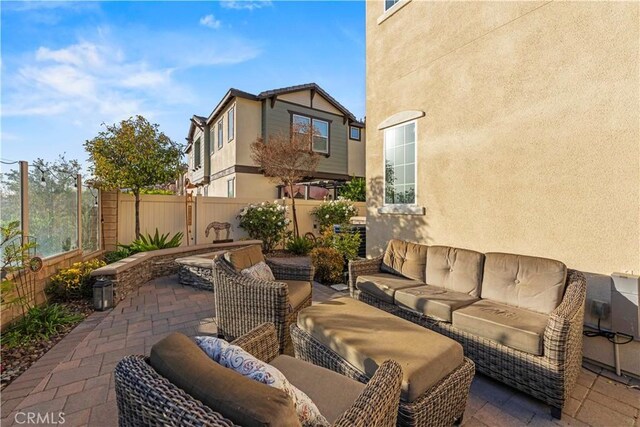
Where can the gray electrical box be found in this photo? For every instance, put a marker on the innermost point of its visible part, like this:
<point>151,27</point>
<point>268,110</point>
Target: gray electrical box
<point>625,301</point>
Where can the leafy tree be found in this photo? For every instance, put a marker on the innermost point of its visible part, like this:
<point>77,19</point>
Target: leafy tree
<point>354,190</point>
<point>287,158</point>
<point>133,154</point>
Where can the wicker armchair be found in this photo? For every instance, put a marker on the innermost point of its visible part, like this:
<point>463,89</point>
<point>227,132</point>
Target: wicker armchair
<point>549,377</point>
<point>145,398</point>
<point>243,303</point>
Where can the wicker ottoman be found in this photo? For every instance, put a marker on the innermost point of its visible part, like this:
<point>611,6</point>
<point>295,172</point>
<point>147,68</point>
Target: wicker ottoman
<point>354,339</point>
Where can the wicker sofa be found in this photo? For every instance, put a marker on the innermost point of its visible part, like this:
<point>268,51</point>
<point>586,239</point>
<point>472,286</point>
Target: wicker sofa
<point>146,398</point>
<point>244,303</point>
<point>518,318</point>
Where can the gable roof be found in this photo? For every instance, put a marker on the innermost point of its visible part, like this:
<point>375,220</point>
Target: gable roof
<point>308,86</point>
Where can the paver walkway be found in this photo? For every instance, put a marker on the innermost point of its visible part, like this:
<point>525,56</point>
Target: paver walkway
<point>76,376</point>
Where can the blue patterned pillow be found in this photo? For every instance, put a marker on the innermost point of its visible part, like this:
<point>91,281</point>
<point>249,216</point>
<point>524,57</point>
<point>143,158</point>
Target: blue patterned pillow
<point>234,357</point>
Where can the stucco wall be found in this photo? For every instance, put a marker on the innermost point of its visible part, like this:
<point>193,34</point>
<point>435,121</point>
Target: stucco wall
<point>248,128</point>
<point>356,154</point>
<point>530,143</point>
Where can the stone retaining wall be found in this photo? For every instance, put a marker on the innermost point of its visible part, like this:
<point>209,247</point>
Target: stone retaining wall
<point>128,274</point>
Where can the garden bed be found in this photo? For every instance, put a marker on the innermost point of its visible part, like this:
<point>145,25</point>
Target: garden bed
<point>17,359</point>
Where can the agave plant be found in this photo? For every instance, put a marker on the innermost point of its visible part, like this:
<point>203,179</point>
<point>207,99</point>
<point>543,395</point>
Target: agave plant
<point>151,243</point>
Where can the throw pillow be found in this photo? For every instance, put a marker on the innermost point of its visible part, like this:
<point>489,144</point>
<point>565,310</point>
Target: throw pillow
<point>260,271</point>
<point>234,357</point>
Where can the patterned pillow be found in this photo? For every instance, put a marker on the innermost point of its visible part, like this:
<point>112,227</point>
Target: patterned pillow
<point>260,271</point>
<point>234,357</point>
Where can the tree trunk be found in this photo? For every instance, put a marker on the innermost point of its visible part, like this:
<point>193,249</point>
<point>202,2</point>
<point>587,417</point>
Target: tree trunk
<point>136,193</point>
<point>296,232</point>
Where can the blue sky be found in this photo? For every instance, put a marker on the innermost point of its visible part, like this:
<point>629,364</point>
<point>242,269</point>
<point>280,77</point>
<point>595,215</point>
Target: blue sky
<point>67,67</point>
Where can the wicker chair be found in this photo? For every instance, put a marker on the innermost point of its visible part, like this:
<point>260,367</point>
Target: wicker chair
<point>243,303</point>
<point>145,398</point>
<point>549,377</point>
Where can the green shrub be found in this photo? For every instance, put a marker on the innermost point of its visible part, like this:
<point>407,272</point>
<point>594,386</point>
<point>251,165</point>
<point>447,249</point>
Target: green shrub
<point>354,190</point>
<point>39,323</point>
<point>299,245</point>
<point>152,243</point>
<point>117,255</point>
<point>334,212</point>
<point>328,264</point>
<point>346,243</point>
<point>265,221</point>
<point>74,282</point>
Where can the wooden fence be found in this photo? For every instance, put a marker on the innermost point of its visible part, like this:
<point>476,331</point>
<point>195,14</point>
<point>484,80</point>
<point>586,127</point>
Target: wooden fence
<point>169,215</point>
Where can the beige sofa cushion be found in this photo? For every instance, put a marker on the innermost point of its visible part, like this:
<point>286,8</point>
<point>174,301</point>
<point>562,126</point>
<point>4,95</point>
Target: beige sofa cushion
<point>514,327</point>
<point>522,281</point>
<point>366,336</point>
<point>244,257</point>
<point>433,301</point>
<point>299,291</point>
<point>242,400</point>
<point>455,269</point>
<point>332,393</point>
<point>406,259</point>
<point>384,285</point>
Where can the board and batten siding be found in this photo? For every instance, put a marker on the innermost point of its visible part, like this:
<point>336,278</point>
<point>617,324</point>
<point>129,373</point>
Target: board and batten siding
<point>278,119</point>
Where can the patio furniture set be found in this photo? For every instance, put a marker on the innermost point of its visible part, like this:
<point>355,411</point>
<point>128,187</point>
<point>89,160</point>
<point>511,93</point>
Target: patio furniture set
<point>402,349</point>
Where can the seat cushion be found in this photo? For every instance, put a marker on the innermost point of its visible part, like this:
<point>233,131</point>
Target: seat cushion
<point>522,281</point>
<point>240,399</point>
<point>244,257</point>
<point>332,393</point>
<point>384,285</point>
<point>299,291</point>
<point>433,301</point>
<point>514,327</point>
<point>455,269</point>
<point>406,259</point>
<point>366,336</point>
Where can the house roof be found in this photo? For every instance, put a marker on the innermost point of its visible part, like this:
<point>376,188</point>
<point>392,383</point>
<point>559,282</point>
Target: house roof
<point>308,86</point>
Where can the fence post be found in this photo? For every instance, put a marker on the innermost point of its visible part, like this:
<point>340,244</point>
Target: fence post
<point>194,227</point>
<point>24,197</point>
<point>79,210</point>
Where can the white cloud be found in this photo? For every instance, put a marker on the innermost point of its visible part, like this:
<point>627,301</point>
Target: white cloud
<point>245,4</point>
<point>210,21</point>
<point>114,73</point>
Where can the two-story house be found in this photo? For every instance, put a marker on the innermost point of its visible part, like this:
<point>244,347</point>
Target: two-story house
<point>218,146</point>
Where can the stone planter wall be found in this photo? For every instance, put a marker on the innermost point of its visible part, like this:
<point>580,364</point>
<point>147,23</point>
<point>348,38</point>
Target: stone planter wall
<point>128,274</point>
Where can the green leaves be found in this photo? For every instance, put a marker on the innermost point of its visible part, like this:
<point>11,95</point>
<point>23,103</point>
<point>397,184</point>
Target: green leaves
<point>39,323</point>
<point>354,190</point>
<point>133,154</point>
<point>152,243</point>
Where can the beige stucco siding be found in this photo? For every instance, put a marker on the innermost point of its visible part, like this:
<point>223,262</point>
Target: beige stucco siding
<point>530,141</point>
<point>248,128</point>
<point>222,157</point>
<point>356,155</point>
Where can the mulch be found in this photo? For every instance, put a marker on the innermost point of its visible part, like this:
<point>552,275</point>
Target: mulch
<point>14,361</point>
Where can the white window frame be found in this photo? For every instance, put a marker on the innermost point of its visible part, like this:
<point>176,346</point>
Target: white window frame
<point>231,181</point>
<point>311,120</point>
<point>220,133</point>
<point>384,165</point>
<point>390,7</point>
<point>197,153</point>
<point>359,138</point>
<point>231,123</point>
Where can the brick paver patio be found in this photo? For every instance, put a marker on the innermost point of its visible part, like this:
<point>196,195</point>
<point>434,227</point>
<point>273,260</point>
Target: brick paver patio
<point>76,378</point>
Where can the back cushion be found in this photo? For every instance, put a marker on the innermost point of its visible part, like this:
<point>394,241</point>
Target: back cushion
<point>455,269</point>
<point>245,257</point>
<point>242,400</point>
<point>532,283</point>
<point>406,259</point>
